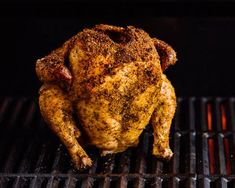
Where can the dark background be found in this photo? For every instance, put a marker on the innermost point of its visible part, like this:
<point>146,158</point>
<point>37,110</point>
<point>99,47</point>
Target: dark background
<point>201,33</point>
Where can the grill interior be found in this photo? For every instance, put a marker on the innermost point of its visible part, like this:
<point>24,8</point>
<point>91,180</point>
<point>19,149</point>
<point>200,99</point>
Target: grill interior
<point>202,139</point>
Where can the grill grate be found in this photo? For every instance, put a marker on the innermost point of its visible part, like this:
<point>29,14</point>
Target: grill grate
<point>202,139</point>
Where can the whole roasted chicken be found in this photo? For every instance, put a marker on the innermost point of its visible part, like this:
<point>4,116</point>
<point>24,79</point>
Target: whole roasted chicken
<point>103,86</point>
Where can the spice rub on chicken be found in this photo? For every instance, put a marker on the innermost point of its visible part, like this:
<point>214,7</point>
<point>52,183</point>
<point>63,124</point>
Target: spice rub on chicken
<point>111,80</point>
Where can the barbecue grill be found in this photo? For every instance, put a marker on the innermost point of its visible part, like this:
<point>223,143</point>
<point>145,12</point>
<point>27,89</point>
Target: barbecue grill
<point>203,130</point>
<point>202,139</point>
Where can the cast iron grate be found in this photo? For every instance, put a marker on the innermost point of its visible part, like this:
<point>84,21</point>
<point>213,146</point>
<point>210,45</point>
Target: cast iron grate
<point>202,138</point>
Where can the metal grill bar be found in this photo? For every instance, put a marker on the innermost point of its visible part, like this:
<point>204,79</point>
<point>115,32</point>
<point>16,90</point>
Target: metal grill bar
<point>202,138</point>
<point>176,151</point>
<point>192,152</point>
<point>222,155</point>
<point>203,114</point>
<point>231,116</point>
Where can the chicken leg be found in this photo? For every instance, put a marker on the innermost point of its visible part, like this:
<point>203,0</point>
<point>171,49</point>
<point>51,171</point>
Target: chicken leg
<point>162,118</point>
<point>56,110</point>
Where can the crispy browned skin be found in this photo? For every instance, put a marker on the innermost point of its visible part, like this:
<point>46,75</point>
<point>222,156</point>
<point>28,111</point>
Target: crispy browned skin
<point>161,120</point>
<point>114,84</point>
<point>166,52</point>
<point>56,108</point>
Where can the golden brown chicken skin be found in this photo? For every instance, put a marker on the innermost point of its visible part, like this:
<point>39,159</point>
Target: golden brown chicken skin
<point>111,78</point>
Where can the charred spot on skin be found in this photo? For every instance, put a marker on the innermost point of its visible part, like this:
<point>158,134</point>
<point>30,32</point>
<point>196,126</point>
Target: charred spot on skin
<point>65,116</point>
<point>96,116</point>
<point>144,57</point>
<point>140,88</point>
<point>105,52</point>
<point>128,98</point>
<point>104,122</point>
<point>88,83</point>
<point>116,85</point>
<point>105,93</point>
<point>150,76</point>
<point>122,56</point>
<point>148,49</point>
<point>125,108</point>
<point>109,69</point>
<point>149,73</point>
<point>130,117</point>
<point>153,80</point>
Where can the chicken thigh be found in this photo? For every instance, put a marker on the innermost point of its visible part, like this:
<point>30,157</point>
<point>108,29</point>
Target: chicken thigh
<point>105,85</point>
